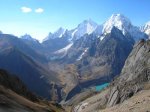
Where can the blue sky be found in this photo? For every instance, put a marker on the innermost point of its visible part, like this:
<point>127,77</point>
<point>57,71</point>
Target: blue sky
<point>39,17</point>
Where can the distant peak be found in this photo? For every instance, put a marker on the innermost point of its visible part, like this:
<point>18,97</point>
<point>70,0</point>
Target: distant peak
<point>1,32</point>
<point>146,28</point>
<point>57,34</point>
<point>86,27</point>
<point>28,37</point>
<point>60,30</point>
<point>124,25</point>
<point>119,17</point>
<point>119,21</point>
<point>148,23</point>
<point>89,21</point>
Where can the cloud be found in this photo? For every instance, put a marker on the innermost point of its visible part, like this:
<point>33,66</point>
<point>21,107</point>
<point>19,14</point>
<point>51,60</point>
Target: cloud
<point>26,9</point>
<point>39,10</point>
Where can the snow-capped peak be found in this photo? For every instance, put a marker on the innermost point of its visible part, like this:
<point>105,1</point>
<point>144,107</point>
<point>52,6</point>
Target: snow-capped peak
<point>88,22</point>
<point>147,24</point>
<point>119,21</point>
<point>123,24</point>
<point>146,28</point>
<point>28,37</point>
<point>1,32</point>
<point>57,34</point>
<point>86,27</point>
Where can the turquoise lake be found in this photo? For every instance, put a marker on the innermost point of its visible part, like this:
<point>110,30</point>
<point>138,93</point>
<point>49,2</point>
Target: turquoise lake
<point>100,87</point>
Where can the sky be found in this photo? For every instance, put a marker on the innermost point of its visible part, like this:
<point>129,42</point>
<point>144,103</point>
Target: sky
<point>39,17</point>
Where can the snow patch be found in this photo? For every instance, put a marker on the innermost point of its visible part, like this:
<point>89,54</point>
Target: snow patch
<point>81,56</point>
<point>65,49</point>
<point>146,28</point>
<point>101,37</point>
<point>42,76</point>
<point>73,33</point>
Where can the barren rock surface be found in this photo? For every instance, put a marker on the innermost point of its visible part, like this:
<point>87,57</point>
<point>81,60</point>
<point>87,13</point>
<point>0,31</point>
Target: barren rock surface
<point>138,103</point>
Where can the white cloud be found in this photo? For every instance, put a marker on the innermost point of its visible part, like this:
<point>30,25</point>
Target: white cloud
<point>26,9</point>
<point>39,10</point>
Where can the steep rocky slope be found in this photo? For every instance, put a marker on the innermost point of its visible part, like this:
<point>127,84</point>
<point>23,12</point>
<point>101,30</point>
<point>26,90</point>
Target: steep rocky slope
<point>135,77</point>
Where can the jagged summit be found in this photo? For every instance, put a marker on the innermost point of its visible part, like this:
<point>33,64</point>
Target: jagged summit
<point>119,21</point>
<point>60,32</point>
<point>88,22</point>
<point>57,34</point>
<point>28,37</point>
<point>1,32</point>
<point>147,24</point>
<point>86,27</point>
<point>124,24</point>
<point>146,28</point>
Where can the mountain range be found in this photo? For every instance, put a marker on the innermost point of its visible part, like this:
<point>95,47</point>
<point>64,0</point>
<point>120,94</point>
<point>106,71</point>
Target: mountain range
<point>69,61</point>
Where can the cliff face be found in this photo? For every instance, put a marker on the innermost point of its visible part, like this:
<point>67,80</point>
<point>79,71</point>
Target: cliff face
<point>134,76</point>
<point>132,88</point>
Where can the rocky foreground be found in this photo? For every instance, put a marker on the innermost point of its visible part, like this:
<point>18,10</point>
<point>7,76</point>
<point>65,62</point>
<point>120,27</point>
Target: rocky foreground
<point>138,103</point>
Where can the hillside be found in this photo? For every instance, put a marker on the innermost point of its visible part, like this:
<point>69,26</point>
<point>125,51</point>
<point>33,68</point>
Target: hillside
<point>15,97</point>
<point>33,74</point>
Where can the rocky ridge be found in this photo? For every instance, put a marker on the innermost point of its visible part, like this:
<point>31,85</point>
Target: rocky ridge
<point>131,86</point>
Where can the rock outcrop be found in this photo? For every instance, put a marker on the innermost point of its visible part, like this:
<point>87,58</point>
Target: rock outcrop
<point>140,102</point>
<point>135,74</point>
